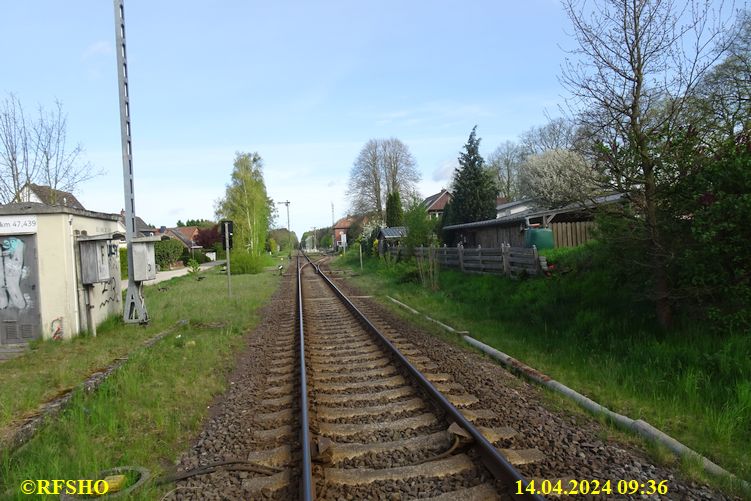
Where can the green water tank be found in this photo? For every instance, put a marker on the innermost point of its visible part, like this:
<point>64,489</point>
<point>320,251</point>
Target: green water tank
<point>542,238</point>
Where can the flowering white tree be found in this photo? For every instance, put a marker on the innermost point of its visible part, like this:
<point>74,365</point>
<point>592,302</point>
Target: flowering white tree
<point>559,177</point>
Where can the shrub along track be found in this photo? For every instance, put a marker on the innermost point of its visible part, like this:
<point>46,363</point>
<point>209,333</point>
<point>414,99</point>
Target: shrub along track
<point>375,434</point>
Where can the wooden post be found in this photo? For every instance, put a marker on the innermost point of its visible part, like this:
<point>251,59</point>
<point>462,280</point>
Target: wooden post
<point>504,258</point>
<point>460,253</point>
<point>537,260</point>
<point>479,255</point>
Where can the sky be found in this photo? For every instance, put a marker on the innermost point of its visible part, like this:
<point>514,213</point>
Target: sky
<point>304,83</point>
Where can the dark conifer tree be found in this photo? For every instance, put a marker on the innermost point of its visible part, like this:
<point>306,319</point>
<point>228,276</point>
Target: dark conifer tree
<point>394,211</point>
<point>474,190</point>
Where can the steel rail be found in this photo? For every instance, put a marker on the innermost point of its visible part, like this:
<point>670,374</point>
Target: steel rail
<point>491,457</point>
<point>307,489</point>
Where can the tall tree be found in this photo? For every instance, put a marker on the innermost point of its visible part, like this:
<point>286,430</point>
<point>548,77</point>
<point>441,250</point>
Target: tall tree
<point>722,99</point>
<point>636,63</point>
<point>399,169</point>
<point>208,236</point>
<point>383,166</point>
<point>505,163</point>
<point>366,181</point>
<point>394,210</point>
<point>246,203</point>
<point>37,151</point>
<point>558,134</point>
<point>201,223</point>
<point>558,177</point>
<point>473,189</point>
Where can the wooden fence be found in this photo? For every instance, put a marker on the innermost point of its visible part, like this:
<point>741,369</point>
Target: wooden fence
<point>505,260</point>
<point>572,234</point>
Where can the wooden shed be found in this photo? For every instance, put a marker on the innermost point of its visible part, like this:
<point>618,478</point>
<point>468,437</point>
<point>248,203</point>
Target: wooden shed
<point>390,237</point>
<point>572,225</point>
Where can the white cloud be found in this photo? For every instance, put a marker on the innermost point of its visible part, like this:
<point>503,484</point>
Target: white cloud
<point>434,112</point>
<point>98,48</point>
<point>445,171</point>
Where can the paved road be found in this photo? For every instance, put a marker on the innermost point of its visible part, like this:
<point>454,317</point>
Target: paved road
<point>161,276</point>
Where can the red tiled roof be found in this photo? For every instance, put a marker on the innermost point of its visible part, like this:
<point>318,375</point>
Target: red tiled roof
<point>343,223</point>
<point>438,201</point>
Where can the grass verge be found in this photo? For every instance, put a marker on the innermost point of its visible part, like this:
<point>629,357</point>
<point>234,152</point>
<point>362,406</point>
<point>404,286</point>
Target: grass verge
<point>146,413</point>
<point>582,329</point>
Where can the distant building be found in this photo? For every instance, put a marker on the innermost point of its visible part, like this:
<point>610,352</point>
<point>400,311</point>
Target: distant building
<point>342,229</point>
<point>187,235</point>
<point>436,204</point>
<point>340,232</point>
<point>505,209</point>
<point>142,229</point>
<point>36,193</point>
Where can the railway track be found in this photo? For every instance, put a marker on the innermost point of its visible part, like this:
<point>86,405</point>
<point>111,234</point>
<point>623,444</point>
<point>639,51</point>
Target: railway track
<point>346,412</point>
<point>321,407</point>
<point>384,421</point>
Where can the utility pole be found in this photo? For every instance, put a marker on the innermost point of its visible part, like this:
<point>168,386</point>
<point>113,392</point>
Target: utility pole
<point>227,229</point>
<point>333,230</point>
<point>134,308</point>
<point>289,233</point>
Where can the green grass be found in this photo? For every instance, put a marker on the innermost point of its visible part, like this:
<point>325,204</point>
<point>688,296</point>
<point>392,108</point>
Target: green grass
<point>585,328</point>
<point>146,413</point>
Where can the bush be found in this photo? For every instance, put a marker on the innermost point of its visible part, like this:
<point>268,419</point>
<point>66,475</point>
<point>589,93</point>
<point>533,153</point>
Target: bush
<point>220,252</point>
<point>167,252</point>
<point>197,255</point>
<point>242,263</point>
<point>193,268</point>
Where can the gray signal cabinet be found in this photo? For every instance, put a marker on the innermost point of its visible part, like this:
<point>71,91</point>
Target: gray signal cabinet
<point>144,261</point>
<point>95,254</point>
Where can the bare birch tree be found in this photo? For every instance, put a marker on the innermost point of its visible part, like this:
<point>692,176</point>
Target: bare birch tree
<point>505,163</point>
<point>37,151</point>
<point>558,134</point>
<point>399,169</point>
<point>384,166</point>
<point>636,63</point>
<point>366,180</point>
<point>17,162</point>
<point>60,167</point>
<point>723,97</point>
